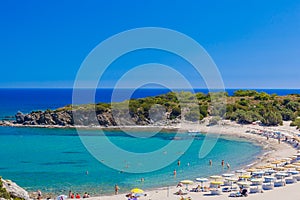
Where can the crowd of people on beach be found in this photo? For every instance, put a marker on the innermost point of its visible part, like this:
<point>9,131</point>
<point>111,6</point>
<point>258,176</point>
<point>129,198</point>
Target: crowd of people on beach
<point>77,196</point>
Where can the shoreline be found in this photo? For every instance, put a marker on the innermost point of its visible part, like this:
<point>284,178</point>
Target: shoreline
<point>271,150</point>
<point>228,130</point>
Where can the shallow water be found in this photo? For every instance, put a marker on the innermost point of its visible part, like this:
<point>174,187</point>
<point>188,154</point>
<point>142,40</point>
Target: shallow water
<point>55,160</point>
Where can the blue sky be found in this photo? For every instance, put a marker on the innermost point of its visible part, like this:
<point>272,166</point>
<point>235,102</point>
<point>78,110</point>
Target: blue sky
<point>255,44</point>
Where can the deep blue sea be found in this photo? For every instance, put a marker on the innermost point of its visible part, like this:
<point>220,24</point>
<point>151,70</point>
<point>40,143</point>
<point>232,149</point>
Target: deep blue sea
<point>55,160</point>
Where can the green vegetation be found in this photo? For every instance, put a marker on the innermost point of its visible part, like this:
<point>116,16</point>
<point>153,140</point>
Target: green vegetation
<point>3,193</point>
<point>245,107</point>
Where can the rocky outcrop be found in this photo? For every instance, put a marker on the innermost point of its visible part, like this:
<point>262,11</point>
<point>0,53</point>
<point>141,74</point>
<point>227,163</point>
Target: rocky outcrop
<point>14,190</point>
<point>83,117</point>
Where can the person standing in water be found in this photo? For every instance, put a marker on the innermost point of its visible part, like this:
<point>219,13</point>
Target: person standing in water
<point>178,163</point>
<point>116,189</point>
<point>228,166</point>
<point>174,172</point>
<point>222,163</point>
<point>210,162</point>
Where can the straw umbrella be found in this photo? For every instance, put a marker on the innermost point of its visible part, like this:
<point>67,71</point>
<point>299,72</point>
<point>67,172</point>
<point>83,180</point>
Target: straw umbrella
<point>251,170</point>
<point>290,166</point>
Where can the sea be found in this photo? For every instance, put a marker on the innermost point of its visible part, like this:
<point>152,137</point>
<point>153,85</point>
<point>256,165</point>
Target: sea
<point>56,161</point>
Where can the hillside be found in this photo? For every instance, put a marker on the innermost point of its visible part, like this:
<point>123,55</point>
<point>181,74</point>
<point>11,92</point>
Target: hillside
<point>245,107</point>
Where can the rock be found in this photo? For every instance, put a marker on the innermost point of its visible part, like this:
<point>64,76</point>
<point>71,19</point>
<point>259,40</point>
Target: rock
<point>19,118</point>
<point>14,190</point>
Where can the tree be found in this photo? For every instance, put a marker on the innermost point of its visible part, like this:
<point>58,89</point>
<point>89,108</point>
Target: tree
<point>272,118</point>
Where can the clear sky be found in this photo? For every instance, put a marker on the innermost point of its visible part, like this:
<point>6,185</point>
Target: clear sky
<point>255,43</point>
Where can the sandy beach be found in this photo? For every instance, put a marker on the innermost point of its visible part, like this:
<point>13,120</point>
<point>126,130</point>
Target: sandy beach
<point>273,149</point>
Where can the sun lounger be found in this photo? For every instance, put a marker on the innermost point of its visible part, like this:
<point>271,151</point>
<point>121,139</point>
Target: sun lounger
<point>268,186</point>
<point>290,180</point>
<point>215,192</point>
<point>279,183</point>
<point>297,177</point>
<point>255,190</point>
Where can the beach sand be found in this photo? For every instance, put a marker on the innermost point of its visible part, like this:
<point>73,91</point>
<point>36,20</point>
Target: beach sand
<point>273,149</point>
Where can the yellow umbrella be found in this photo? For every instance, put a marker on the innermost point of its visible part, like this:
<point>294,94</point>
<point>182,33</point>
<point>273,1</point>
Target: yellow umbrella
<point>186,182</point>
<point>251,170</point>
<point>215,177</point>
<point>298,169</point>
<point>260,167</point>
<point>245,176</point>
<point>137,191</point>
<point>297,164</point>
<point>216,182</point>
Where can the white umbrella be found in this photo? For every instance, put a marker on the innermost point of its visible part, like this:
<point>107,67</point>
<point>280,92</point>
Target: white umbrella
<point>201,180</point>
<point>227,175</point>
<point>240,171</point>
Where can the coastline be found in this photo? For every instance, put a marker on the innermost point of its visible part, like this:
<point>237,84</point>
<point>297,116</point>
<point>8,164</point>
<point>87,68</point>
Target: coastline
<point>228,130</point>
<point>272,150</point>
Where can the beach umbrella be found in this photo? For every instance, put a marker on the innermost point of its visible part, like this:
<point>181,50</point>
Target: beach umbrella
<point>289,166</point>
<point>279,168</point>
<point>281,175</point>
<point>298,155</point>
<point>243,183</point>
<point>260,167</point>
<point>258,173</point>
<point>227,175</point>
<point>251,170</point>
<point>240,171</point>
<point>186,182</point>
<point>231,179</point>
<point>216,182</point>
<point>137,191</point>
<point>201,180</point>
<point>293,157</point>
<point>245,176</point>
<point>268,166</point>
<point>276,162</point>
<point>215,177</point>
<point>297,165</point>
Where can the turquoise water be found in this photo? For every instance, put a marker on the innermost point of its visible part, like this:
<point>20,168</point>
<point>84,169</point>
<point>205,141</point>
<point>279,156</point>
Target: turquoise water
<point>55,160</point>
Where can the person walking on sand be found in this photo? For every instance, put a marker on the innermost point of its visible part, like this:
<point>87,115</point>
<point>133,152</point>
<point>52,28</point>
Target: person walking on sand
<point>39,194</point>
<point>116,189</point>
